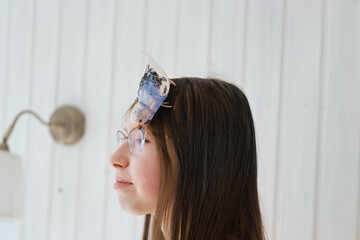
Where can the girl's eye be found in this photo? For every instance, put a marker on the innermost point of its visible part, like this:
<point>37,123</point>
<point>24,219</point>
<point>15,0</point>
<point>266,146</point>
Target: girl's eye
<point>138,140</point>
<point>147,141</point>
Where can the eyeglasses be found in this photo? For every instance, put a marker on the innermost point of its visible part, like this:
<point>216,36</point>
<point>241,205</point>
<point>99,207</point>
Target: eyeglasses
<point>135,138</point>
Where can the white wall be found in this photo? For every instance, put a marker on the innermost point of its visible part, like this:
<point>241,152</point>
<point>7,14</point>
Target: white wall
<point>297,60</point>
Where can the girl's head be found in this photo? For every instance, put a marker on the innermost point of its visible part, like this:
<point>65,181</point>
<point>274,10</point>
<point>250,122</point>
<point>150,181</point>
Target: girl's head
<point>199,166</point>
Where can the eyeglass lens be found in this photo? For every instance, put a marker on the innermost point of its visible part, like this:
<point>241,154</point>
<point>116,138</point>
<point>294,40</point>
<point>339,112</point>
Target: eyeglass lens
<point>136,139</point>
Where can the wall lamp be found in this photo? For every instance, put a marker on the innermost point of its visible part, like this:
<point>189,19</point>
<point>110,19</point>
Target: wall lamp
<point>66,125</point>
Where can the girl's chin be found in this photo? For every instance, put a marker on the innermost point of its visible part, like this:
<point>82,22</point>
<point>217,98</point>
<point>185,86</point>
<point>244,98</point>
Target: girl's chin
<point>134,210</point>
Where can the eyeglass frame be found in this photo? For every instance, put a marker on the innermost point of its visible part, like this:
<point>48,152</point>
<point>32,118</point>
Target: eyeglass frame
<point>126,138</point>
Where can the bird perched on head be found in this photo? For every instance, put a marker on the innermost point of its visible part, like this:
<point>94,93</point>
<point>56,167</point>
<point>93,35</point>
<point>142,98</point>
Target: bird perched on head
<point>153,90</point>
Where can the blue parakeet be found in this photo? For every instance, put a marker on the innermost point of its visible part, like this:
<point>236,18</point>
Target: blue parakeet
<point>153,90</point>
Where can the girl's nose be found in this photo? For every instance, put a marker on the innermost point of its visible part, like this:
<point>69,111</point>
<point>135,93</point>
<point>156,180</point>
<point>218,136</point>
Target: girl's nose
<point>120,158</point>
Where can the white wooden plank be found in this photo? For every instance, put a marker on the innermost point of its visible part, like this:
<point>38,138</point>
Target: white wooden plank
<point>358,188</point>
<point>322,114</point>
<point>358,195</point>
<point>161,30</point>
<point>96,92</point>
<point>226,51</point>
<point>262,74</point>
<point>71,33</point>
<point>193,38</point>
<point>294,200</point>
<point>339,171</point>
<point>40,150</point>
<point>127,69</point>
<point>18,69</point>
<point>4,58</point>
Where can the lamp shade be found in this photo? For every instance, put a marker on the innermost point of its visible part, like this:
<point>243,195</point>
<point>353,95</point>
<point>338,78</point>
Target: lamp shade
<point>12,186</point>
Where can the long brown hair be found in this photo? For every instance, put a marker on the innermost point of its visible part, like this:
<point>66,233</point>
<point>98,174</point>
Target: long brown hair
<point>208,164</point>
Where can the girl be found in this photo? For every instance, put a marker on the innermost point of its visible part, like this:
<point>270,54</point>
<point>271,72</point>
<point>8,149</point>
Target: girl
<point>195,174</point>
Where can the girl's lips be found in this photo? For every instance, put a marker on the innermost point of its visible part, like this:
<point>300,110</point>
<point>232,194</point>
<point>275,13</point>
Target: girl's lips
<point>121,183</point>
<point>118,185</point>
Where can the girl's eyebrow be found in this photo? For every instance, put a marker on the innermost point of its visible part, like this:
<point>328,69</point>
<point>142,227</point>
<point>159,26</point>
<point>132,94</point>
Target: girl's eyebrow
<point>149,134</point>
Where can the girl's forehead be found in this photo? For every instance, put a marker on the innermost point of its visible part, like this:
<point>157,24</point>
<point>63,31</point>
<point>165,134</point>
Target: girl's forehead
<point>126,124</point>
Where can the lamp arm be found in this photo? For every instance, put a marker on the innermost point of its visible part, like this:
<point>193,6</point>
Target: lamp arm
<point>67,125</point>
<point>11,128</point>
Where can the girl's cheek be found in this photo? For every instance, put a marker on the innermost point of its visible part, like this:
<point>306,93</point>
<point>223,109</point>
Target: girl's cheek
<point>151,181</point>
<point>147,173</point>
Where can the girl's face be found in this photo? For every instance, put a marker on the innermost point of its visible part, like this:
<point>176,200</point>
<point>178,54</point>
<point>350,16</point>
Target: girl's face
<point>137,176</point>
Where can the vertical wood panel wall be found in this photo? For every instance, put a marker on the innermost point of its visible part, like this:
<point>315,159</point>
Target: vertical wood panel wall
<point>297,61</point>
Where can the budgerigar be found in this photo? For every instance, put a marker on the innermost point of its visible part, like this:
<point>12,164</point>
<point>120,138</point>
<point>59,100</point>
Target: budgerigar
<point>153,90</point>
